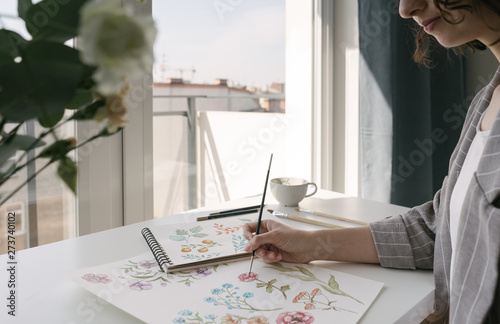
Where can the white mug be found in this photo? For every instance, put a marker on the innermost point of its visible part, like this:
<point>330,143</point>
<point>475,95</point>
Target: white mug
<point>290,191</point>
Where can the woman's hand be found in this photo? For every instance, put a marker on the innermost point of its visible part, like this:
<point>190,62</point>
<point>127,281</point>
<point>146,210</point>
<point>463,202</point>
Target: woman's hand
<point>279,242</point>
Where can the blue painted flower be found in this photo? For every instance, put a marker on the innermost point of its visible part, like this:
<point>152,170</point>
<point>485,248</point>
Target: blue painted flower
<point>217,291</point>
<point>210,299</point>
<point>248,295</point>
<point>179,320</point>
<point>211,316</point>
<point>227,285</point>
<point>185,312</point>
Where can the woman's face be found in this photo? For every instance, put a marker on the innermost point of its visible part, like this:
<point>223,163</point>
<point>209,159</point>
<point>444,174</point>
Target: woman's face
<point>472,25</point>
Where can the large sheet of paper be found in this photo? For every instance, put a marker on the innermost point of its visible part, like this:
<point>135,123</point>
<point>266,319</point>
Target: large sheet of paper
<point>227,293</point>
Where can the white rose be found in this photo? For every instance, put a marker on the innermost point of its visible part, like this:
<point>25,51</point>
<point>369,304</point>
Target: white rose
<point>117,42</point>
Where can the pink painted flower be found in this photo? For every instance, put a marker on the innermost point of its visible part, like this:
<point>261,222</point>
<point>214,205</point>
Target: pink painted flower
<point>248,277</point>
<point>96,278</point>
<point>140,285</point>
<point>148,264</point>
<point>202,272</point>
<point>294,317</point>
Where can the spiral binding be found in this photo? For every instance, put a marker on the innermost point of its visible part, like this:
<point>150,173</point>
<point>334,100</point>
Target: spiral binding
<point>161,257</point>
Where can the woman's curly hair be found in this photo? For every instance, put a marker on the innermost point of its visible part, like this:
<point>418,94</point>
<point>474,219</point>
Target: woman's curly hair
<point>425,42</point>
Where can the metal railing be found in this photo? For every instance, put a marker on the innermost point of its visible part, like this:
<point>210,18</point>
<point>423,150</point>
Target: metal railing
<point>192,141</point>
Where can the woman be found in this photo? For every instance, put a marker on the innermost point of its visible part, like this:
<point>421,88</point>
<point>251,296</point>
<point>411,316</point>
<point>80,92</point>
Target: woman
<point>458,233</point>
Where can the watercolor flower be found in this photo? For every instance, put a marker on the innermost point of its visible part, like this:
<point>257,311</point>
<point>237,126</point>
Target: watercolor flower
<point>201,273</point>
<point>140,285</point>
<point>148,264</point>
<point>248,295</point>
<point>294,317</point>
<point>210,316</point>
<point>179,320</point>
<point>309,306</point>
<point>248,277</point>
<point>185,312</point>
<point>227,285</point>
<point>258,320</point>
<point>230,319</point>
<point>316,292</point>
<point>210,300</point>
<point>299,296</point>
<point>96,278</point>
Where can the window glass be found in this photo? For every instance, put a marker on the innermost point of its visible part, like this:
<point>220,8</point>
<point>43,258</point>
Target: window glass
<point>44,209</point>
<point>218,100</point>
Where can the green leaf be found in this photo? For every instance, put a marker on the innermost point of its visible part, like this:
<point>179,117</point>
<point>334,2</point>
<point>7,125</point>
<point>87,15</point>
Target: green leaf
<point>82,97</point>
<point>280,267</point>
<point>57,150</point>
<point>261,284</point>
<point>181,232</point>
<point>177,238</point>
<point>67,171</point>
<point>306,272</point>
<point>333,283</point>
<point>11,42</point>
<point>42,84</point>
<point>23,7</point>
<point>53,20</point>
<point>25,142</point>
<point>332,290</point>
<point>303,278</point>
<point>269,289</point>
<point>196,229</point>
<point>6,152</point>
<point>50,120</point>
<point>89,111</point>
<point>199,235</point>
<point>285,288</point>
<point>272,282</point>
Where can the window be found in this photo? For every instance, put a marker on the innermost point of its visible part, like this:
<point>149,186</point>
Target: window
<point>218,100</point>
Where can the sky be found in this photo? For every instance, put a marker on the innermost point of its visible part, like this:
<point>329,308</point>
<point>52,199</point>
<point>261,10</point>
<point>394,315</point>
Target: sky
<point>239,40</point>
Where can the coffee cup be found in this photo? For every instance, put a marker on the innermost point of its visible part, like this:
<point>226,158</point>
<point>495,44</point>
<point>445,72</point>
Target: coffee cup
<point>290,191</point>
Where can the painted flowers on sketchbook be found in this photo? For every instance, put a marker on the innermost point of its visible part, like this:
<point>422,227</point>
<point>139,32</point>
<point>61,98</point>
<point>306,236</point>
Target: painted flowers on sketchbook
<point>301,273</point>
<point>184,235</point>
<point>231,297</point>
<point>268,285</point>
<point>188,316</point>
<point>148,271</point>
<point>96,278</point>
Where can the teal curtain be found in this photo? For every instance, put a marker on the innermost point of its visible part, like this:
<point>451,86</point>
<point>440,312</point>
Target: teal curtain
<point>410,116</point>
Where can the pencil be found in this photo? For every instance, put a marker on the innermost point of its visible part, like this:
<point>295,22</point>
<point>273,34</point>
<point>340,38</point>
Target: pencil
<point>302,219</point>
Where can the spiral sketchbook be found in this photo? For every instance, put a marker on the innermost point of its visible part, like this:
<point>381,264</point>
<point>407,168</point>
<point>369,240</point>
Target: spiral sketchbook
<point>194,245</point>
<point>224,292</point>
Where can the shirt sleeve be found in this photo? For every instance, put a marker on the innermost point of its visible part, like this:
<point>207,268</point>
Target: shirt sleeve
<point>407,240</point>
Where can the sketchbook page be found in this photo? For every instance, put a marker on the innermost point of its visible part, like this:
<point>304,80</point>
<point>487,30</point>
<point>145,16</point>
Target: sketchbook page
<point>190,242</point>
<point>273,293</point>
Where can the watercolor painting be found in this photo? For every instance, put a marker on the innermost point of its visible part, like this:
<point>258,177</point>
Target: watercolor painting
<point>280,293</point>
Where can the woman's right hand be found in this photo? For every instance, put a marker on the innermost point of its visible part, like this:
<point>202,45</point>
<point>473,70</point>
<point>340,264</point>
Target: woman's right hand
<point>279,242</point>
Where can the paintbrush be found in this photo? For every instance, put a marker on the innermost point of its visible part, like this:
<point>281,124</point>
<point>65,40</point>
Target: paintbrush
<point>260,211</point>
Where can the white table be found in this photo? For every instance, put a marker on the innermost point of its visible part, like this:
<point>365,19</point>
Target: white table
<point>46,295</point>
